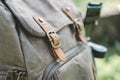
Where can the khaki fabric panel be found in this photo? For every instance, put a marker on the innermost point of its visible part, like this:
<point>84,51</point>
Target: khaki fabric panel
<point>49,10</point>
<point>10,51</point>
<point>78,68</point>
<point>35,47</point>
<point>38,54</point>
<point>24,10</point>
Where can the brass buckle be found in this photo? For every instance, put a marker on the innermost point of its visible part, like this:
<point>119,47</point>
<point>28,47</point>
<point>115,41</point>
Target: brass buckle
<point>79,26</point>
<point>15,74</point>
<point>56,46</point>
<point>53,45</point>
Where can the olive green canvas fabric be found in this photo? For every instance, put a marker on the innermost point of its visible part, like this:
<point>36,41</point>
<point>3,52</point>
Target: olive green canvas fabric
<point>24,50</point>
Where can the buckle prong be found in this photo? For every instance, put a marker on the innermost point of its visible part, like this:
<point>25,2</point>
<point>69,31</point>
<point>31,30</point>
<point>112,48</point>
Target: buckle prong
<point>51,40</point>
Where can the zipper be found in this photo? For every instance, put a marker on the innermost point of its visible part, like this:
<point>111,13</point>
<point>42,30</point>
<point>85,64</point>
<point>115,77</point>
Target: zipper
<point>54,66</point>
<point>55,76</point>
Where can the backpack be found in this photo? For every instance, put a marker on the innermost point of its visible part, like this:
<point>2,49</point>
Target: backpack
<point>43,40</point>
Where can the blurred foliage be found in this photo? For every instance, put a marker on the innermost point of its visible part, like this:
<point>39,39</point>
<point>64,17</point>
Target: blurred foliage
<point>108,68</point>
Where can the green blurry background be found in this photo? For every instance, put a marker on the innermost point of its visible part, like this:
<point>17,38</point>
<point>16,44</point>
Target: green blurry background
<point>108,68</point>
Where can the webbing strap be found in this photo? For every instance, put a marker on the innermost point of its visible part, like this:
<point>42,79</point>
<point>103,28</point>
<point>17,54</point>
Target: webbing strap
<point>78,25</point>
<point>53,38</point>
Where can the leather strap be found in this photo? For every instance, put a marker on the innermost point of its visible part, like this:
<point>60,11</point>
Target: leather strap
<point>53,38</point>
<point>78,25</point>
<point>94,72</point>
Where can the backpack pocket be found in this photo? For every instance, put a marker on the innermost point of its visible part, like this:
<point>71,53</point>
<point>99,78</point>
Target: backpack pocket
<point>77,67</point>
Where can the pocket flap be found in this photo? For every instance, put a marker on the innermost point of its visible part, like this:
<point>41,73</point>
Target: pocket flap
<point>49,10</point>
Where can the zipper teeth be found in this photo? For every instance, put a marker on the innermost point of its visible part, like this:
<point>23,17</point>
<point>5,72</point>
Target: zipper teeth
<point>52,67</point>
<point>49,72</point>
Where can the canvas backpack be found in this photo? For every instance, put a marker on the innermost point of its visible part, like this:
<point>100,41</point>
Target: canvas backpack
<point>43,40</point>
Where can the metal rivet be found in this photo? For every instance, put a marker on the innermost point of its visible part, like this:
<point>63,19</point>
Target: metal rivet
<point>68,8</point>
<point>40,19</point>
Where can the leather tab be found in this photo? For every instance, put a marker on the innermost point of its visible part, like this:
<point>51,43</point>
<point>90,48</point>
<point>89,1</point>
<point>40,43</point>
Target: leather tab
<point>58,51</point>
<point>44,25</point>
<point>78,25</point>
<point>53,38</point>
<point>69,13</point>
<point>79,36</point>
<point>94,72</point>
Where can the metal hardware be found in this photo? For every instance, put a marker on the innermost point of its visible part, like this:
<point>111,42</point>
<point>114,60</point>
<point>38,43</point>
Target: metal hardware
<point>79,27</point>
<point>40,19</point>
<point>56,46</point>
<point>50,32</point>
<point>68,8</point>
<point>15,74</point>
<point>51,40</point>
